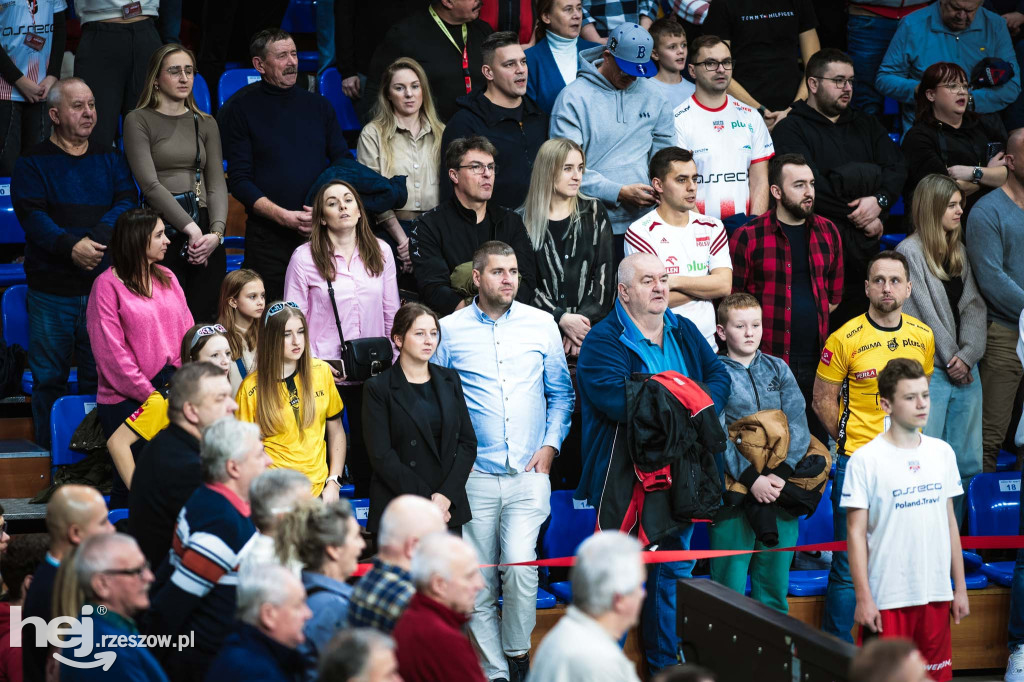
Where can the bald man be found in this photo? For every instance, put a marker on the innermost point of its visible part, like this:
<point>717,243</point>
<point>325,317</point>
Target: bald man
<point>382,594</point>
<point>74,513</point>
<point>640,335</point>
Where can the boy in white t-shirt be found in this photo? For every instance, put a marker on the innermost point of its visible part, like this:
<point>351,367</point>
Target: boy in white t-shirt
<point>693,247</point>
<point>902,535</point>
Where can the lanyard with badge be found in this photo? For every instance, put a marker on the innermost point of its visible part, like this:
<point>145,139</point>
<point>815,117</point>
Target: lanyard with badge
<point>463,49</point>
<point>34,40</point>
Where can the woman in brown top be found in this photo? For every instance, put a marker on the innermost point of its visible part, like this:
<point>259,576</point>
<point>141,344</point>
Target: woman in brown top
<point>162,138</point>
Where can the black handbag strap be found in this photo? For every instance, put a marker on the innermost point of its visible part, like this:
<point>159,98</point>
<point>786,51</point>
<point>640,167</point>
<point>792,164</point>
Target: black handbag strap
<point>337,318</point>
<point>195,119</point>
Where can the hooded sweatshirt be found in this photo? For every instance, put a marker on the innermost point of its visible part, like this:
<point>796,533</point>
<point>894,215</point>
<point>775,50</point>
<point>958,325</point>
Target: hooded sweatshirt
<point>619,130</point>
<point>766,384</point>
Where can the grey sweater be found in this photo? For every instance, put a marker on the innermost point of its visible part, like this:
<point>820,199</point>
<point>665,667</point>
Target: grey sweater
<point>928,302</point>
<point>766,384</point>
<point>995,231</point>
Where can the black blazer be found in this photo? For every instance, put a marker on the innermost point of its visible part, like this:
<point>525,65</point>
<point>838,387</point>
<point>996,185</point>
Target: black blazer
<point>401,448</point>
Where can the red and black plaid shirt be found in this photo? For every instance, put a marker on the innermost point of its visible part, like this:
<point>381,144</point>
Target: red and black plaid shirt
<point>762,266</point>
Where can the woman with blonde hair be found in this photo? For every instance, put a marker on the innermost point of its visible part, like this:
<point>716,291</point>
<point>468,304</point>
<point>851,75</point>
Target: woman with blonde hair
<point>242,300</point>
<point>345,276</point>
<point>572,237</point>
<point>946,298</point>
<point>174,152</point>
<point>404,138</point>
<point>291,397</point>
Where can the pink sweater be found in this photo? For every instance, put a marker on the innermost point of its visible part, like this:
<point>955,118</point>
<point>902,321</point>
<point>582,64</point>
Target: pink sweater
<point>133,337</point>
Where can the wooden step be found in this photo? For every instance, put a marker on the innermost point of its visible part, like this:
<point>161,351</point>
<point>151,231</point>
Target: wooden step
<point>24,468</point>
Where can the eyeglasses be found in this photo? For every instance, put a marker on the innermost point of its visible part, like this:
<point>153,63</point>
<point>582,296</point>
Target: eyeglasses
<point>133,572</point>
<point>956,88</point>
<point>175,71</point>
<point>840,83</point>
<point>479,168</point>
<point>208,330</point>
<point>278,307</point>
<point>712,64</point>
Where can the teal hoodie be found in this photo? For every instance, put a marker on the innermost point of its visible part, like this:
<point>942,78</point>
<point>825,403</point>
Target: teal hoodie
<point>766,384</point>
<point>619,130</point>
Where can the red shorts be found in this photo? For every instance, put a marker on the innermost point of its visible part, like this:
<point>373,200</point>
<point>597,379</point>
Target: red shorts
<point>927,626</point>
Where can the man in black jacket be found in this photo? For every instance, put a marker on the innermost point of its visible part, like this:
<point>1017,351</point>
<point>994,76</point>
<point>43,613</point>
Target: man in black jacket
<point>504,115</point>
<point>446,237</point>
<point>445,38</point>
<point>858,170</point>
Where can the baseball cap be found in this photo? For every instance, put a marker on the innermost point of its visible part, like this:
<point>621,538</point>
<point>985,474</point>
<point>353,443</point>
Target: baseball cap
<point>631,46</point>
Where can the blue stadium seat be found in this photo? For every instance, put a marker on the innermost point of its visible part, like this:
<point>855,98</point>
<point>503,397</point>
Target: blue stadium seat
<point>201,93</point>
<point>300,17</point>
<point>330,87</point>
<point>993,508</point>
<point>14,311</point>
<point>235,259</point>
<point>10,228</point>
<point>572,522</point>
<point>115,515</point>
<point>808,583</point>
<point>232,81</point>
<point>361,507</point>
<point>891,241</point>
<point>890,106</point>
<point>1006,461</point>
<point>67,413</point>
<point>814,529</point>
<point>895,137</point>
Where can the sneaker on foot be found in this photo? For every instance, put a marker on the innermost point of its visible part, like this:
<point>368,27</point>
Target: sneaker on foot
<point>1015,666</point>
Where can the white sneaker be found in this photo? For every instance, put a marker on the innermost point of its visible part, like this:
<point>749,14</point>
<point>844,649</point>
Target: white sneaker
<point>1015,666</point>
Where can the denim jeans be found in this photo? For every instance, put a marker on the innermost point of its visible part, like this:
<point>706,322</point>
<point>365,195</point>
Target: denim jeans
<point>508,511</point>
<point>867,40</point>
<point>955,417</point>
<point>1016,625</point>
<point>57,337</point>
<point>840,599</point>
<point>658,619</point>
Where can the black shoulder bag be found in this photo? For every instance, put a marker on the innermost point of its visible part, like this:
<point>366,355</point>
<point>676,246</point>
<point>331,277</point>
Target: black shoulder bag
<point>360,358</point>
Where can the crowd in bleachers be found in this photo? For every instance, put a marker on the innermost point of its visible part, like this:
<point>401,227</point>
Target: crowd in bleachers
<point>696,259</point>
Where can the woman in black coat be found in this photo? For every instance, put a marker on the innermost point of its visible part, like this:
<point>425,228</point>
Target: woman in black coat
<point>419,437</point>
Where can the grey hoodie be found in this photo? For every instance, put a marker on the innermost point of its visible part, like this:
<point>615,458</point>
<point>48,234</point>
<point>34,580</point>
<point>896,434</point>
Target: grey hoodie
<point>767,384</point>
<point>619,130</point>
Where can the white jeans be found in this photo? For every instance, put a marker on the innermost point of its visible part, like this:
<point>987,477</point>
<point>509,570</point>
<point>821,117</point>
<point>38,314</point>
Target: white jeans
<point>508,511</point>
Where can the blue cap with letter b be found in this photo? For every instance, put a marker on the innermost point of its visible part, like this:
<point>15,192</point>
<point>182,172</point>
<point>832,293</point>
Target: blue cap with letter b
<point>631,46</point>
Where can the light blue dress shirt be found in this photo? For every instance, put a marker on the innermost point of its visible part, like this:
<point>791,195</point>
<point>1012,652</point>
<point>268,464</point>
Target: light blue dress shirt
<point>515,380</point>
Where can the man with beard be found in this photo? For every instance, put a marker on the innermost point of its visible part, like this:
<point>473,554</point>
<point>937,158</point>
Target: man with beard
<point>729,140</point>
<point>277,139</point>
<point>858,170</point>
<point>791,260</point>
<point>846,398</point>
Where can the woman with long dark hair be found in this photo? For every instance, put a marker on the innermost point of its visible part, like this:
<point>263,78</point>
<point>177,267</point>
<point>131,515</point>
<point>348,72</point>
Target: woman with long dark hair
<point>291,397</point>
<point>136,317</point>
<point>163,137</point>
<point>344,271</point>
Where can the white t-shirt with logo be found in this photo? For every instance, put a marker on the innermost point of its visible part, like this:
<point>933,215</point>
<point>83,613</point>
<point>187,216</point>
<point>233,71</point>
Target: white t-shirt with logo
<point>905,493</point>
<point>725,143</point>
<point>20,18</point>
<point>693,250</point>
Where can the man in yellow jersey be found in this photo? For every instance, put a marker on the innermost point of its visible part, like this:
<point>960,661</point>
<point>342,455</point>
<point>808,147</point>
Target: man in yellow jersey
<point>846,400</point>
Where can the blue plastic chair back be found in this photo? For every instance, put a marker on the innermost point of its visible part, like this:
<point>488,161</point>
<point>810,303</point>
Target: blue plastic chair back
<point>67,413</point>
<point>235,259</point>
<point>115,515</point>
<point>201,93</point>
<point>572,522</point>
<point>993,504</point>
<point>232,81</point>
<point>361,507</point>
<point>817,527</point>
<point>15,315</point>
<point>330,87</point>
<point>300,17</point>
<point>10,228</point>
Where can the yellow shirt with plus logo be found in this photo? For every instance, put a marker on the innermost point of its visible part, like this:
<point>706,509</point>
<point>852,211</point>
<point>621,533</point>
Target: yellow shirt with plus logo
<point>853,356</point>
<point>304,450</point>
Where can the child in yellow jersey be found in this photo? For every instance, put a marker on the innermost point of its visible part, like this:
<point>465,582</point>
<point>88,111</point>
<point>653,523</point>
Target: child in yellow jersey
<point>293,399</point>
<point>201,343</point>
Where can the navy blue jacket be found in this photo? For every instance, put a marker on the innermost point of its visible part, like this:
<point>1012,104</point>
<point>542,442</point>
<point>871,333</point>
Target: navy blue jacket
<point>606,361</point>
<point>544,81</point>
<point>248,654</point>
<point>131,664</point>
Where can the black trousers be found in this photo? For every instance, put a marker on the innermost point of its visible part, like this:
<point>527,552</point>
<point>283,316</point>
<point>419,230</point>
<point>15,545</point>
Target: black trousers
<point>357,461</point>
<point>268,248</point>
<point>804,370</point>
<point>112,60</point>
<point>22,125</point>
<point>201,283</point>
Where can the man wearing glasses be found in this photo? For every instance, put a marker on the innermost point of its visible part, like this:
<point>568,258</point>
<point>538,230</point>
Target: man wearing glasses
<point>729,140</point>
<point>958,31</point>
<point>858,170</point>
<point>445,239</point>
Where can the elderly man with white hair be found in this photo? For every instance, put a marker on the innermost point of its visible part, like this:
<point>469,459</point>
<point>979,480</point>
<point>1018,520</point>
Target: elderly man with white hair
<point>432,646</point>
<point>196,591</point>
<point>272,611</point>
<point>641,335</point>
<point>607,593</point>
<point>360,655</point>
<point>381,595</point>
<point>114,576</point>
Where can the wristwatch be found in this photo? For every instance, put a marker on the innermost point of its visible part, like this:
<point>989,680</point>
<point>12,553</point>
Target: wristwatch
<point>334,479</point>
<point>883,201</point>
<point>220,236</point>
<point>977,175</point>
